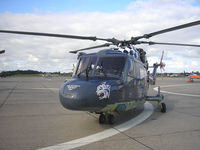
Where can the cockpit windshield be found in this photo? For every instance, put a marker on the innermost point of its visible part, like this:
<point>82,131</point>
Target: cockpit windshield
<point>86,66</point>
<point>103,67</point>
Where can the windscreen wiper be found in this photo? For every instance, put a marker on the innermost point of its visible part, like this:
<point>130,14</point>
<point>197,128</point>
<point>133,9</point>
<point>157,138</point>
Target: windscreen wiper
<point>104,73</point>
<point>102,70</point>
<point>86,70</point>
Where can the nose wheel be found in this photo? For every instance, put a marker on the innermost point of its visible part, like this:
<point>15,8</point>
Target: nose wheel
<point>109,117</point>
<point>102,119</point>
<point>163,108</point>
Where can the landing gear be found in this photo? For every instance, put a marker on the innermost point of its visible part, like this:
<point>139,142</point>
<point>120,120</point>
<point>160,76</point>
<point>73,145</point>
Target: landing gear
<point>160,99</point>
<point>162,105</point>
<point>163,108</point>
<point>109,117</point>
<point>190,80</point>
<point>102,119</point>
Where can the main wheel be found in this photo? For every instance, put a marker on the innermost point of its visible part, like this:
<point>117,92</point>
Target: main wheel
<point>163,108</point>
<point>111,119</point>
<point>102,119</point>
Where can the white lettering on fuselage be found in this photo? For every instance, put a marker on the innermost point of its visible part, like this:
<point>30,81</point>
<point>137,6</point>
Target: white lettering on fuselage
<point>72,87</point>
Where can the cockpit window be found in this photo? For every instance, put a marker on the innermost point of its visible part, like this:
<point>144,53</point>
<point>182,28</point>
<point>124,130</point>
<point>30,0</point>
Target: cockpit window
<point>110,67</point>
<point>104,67</point>
<point>86,65</point>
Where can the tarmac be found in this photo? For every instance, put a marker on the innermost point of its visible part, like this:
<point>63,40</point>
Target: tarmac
<point>31,117</point>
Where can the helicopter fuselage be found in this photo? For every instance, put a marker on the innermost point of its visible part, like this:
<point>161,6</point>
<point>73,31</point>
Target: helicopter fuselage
<point>105,82</point>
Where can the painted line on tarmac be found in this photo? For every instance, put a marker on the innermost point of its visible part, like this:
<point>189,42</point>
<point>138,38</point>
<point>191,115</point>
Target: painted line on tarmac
<point>174,93</point>
<point>174,85</point>
<point>54,89</point>
<point>147,112</point>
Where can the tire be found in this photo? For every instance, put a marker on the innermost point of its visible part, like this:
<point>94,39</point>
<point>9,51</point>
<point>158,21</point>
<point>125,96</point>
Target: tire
<point>163,108</point>
<point>102,119</point>
<point>111,119</point>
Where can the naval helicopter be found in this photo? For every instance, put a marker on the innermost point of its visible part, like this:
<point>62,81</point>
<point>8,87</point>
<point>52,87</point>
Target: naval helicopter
<point>111,80</point>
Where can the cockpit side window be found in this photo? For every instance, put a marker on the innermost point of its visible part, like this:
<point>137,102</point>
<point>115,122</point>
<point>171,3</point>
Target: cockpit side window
<point>82,64</point>
<point>130,71</point>
<point>85,66</point>
<point>140,71</point>
<point>143,73</point>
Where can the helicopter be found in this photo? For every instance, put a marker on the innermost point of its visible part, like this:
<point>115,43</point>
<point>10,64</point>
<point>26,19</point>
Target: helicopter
<point>114,79</point>
<point>2,51</point>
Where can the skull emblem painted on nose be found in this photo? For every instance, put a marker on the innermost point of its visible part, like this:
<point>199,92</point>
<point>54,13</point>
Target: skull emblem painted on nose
<point>103,91</point>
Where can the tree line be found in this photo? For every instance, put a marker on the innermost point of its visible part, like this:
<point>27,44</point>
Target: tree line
<point>29,72</point>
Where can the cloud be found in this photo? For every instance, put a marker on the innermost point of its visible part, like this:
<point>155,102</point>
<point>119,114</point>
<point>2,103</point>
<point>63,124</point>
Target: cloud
<point>140,17</point>
<point>32,58</point>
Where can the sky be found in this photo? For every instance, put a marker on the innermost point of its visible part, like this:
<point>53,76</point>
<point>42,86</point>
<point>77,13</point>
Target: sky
<point>121,19</point>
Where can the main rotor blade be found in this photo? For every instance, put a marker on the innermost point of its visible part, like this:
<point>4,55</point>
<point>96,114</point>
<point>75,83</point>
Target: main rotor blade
<point>161,43</point>
<point>93,47</point>
<point>93,38</point>
<point>167,30</point>
<point>50,35</point>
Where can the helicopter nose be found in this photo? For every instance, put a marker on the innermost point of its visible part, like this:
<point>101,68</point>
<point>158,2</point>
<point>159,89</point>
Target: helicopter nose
<point>78,96</point>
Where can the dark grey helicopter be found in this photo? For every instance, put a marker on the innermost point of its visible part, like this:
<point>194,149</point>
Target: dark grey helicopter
<point>2,51</point>
<point>114,79</point>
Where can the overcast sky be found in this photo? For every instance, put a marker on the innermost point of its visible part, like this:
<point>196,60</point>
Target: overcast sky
<point>121,19</point>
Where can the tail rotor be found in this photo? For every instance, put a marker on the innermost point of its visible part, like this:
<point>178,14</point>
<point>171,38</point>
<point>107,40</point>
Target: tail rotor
<point>162,64</point>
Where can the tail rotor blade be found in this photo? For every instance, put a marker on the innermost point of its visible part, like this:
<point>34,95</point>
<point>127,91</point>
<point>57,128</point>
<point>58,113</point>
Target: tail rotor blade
<point>161,57</point>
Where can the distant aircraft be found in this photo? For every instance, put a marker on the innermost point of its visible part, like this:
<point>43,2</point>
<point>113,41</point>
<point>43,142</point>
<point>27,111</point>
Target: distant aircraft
<point>193,76</point>
<point>2,51</point>
<point>174,75</point>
